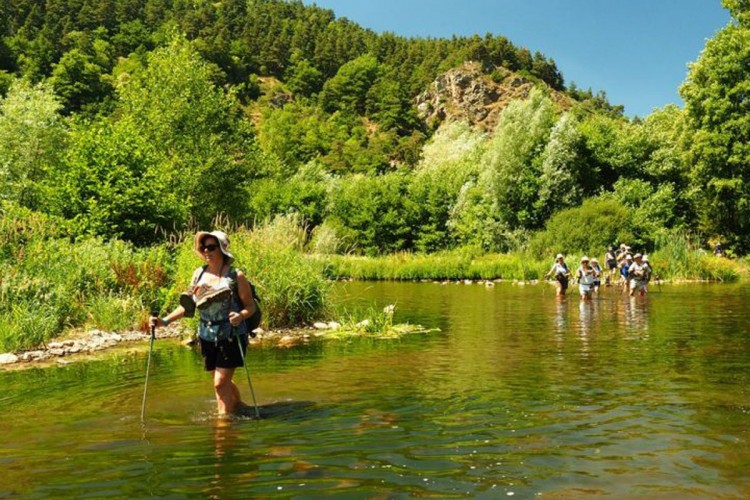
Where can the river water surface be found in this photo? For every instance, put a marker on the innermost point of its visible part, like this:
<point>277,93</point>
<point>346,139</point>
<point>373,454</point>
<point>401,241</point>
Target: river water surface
<point>519,394</point>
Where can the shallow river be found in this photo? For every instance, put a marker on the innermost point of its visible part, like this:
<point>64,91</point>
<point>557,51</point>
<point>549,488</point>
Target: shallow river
<point>518,395</point>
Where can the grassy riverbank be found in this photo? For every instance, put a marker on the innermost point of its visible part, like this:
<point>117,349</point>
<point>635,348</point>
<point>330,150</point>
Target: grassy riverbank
<point>670,263</point>
<point>52,282</point>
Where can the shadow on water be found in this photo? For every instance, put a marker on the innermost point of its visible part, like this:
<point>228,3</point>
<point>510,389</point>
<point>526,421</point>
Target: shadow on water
<point>281,410</point>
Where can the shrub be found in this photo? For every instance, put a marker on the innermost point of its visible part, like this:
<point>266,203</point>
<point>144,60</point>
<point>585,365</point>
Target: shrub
<point>589,228</point>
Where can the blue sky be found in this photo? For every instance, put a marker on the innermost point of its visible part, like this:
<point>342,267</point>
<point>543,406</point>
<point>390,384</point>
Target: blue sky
<point>637,51</point>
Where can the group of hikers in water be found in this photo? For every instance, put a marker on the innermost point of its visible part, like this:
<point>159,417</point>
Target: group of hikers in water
<point>634,270</point>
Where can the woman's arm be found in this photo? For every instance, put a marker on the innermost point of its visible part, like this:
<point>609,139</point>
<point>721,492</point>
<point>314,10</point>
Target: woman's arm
<point>178,313</point>
<point>246,297</point>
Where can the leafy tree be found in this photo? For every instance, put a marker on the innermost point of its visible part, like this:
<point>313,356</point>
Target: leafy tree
<point>565,178</point>
<point>510,173</point>
<point>79,80</point>
<point>304,194</point>
<point>374,214</point>
<point>112,185</point>
<point>449,161</point>
<point>717,99</point>
<point>589,228</point>
<point>303,78</point>
<point>348,89</point>
<point>175,105</point>
<point>32,138</point>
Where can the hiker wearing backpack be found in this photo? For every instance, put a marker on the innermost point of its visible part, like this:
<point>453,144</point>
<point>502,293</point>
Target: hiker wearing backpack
<point>219,292</point>
<point>561,274</point>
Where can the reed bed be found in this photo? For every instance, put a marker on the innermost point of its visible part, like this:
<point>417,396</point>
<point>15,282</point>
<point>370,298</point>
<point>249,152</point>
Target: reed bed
<point>440,266</point>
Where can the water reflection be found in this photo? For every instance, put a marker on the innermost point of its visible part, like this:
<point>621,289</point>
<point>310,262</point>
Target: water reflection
<point>636,314</point>
<point>227,439</point>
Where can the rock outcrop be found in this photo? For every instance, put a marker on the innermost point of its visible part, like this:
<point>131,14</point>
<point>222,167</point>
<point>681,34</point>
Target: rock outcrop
<point>467,93</point>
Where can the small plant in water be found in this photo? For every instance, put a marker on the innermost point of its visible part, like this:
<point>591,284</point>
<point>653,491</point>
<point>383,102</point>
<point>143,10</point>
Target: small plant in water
<point>376,324</point>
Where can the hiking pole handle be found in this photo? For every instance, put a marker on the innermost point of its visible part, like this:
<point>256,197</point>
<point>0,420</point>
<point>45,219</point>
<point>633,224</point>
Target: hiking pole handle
<point>154,313</point>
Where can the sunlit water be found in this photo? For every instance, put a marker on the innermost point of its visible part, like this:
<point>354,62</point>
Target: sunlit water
<point>519,394</point>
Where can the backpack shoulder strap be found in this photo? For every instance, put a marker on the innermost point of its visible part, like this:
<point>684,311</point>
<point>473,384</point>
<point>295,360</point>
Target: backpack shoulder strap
<point>198,278</point>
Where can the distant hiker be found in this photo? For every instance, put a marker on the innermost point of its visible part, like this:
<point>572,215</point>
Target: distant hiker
<point>611,262</point>
<point>621,253</point>
<point>585,275</point>
<point>649,270</point>
<point>597,274</point>
<point>218,291</point>
<point>638,275</point>
<point>561,274</point>
<point>624,268</point>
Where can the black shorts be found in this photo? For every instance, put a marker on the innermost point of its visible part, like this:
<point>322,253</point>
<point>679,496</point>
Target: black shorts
<point>224,354</point>
<point>612,264</point>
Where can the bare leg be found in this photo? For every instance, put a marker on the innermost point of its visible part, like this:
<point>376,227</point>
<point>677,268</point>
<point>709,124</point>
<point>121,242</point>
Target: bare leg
<point>227,393</point>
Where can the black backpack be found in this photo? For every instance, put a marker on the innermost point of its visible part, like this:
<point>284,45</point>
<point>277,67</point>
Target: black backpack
<point>253,321</point>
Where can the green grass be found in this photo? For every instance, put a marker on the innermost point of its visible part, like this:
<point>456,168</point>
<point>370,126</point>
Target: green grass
<point>453,265</point>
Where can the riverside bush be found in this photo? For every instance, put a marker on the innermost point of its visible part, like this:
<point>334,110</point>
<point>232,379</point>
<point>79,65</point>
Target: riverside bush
<point>680,256</point>
<point>589,228</point>
<point>51,282</point>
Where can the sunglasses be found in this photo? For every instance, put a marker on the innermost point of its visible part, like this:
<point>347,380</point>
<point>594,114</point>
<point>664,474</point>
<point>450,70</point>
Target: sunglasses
<point>210,247</point>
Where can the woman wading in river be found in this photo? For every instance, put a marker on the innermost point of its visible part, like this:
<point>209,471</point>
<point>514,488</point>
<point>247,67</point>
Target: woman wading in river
<point>219,292</point>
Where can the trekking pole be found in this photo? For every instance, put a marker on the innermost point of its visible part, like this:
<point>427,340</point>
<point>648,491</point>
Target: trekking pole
<point>247,371</point>
<point>148,367</point>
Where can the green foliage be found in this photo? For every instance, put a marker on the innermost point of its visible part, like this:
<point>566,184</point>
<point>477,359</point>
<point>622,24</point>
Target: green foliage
<point>449,161</point>
<point>373,213</point>
<point>716,99</point>
<point>32,140</point>
<point>205,152</point>
<point>304,194</point>
<point>78,282</point>
<point>502,202</point>
<point>111,184</point>
<point>680,256</point>
<point>303,78</point>
<point>564,177</point>
<point>588,229</point>
<point>113,313</point>
<point>465,263</point>
<point>348,90</point>
<point>79,80</point>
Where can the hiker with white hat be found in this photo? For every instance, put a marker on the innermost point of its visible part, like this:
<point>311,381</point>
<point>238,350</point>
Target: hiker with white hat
<point>585,275</point>
<point>219,292</point>
<point>561,273</point>
<point>627,261</point>
<point>597,274</point>
<point>638,274</point>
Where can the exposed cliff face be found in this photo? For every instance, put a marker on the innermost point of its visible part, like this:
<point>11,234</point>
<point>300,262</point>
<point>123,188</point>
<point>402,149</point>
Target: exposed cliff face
<point>467,93</point>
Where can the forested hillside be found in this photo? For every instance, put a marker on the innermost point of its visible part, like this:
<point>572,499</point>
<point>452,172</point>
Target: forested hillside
<point>128,118</point>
